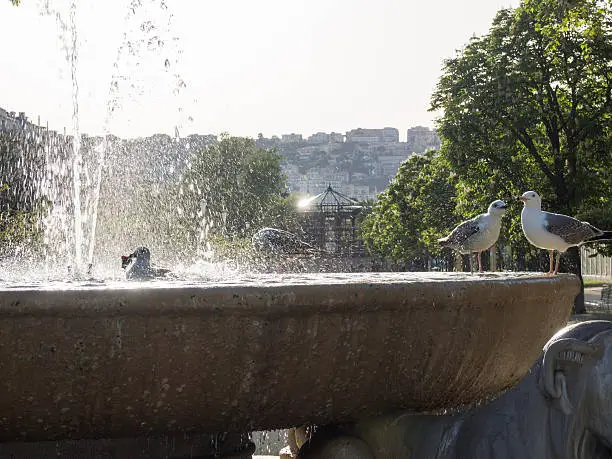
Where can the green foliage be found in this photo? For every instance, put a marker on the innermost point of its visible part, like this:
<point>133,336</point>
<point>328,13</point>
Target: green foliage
<point>238,249</point>
<point>417,207</point>
<point>20,208</point>
<point>282,213</point>
<point>19,231</point>
<point>19,226</point>
<point>528,106</point>
<point>232,188</point>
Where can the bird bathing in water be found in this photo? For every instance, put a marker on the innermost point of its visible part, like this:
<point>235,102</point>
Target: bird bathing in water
<point>559,232</point>
<point>137,265</point>
<point>477,234</point>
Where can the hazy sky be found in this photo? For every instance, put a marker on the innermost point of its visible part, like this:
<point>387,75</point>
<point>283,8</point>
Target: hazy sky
<point>270,66</point>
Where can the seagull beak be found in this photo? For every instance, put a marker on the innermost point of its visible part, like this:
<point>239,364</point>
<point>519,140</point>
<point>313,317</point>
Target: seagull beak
<point>505,206</point>
<point>522,198</point>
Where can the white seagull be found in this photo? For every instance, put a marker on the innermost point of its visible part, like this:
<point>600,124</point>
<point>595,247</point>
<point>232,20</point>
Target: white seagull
<point>559,232</point>
<point>477,234</point>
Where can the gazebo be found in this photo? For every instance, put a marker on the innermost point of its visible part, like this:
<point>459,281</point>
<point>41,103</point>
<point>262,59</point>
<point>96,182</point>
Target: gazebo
<point>330,222</point>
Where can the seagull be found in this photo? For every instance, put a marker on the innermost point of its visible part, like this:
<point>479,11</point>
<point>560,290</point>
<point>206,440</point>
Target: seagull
<point>559,232</point>
<point>477,234</point>
<point>137,265</point>
<point>272,240</point>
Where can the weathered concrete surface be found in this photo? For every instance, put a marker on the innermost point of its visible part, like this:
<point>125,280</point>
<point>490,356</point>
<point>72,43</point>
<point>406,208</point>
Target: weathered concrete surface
<point>178,446</point>
<point>112,361</point>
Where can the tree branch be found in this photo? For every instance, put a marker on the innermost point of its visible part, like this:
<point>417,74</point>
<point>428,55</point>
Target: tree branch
<point>526,140</point>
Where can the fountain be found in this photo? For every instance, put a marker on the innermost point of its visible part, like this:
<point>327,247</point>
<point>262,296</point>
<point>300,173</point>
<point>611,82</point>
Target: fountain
<point>185,368</point>
<point>117,360</point>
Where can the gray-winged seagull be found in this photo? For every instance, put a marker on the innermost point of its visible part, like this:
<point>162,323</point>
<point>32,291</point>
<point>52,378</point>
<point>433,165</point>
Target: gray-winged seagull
<point>477,234</point>
<point>272,240</point>
<point>559,232</point>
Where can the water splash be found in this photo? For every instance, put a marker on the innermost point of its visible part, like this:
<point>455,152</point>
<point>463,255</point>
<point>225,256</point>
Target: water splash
<point>108,195</point>
<point>77,182</point>
<point>148,47</point>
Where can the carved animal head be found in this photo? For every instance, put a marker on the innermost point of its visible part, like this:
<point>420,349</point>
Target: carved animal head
<point>577,376</point>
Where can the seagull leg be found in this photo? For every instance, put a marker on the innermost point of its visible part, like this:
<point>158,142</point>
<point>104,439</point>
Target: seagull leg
<point>471,263</point>
<point>557,264</point>
<point>551,258</point>
<point>479,263</point>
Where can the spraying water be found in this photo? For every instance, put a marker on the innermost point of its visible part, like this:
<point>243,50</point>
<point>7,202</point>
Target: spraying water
<point>101,150</point>
<point>108,195</point>
<point>76,165</point>
<point>77,162</point>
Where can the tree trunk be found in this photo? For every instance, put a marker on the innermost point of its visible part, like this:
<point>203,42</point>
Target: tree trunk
<point>573,266</point>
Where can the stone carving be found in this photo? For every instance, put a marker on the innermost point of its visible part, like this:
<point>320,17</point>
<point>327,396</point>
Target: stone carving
<point>561,409</point>
<point>296,437</point>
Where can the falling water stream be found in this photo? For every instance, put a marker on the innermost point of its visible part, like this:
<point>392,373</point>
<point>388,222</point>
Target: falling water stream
<point>77,163</point>
<point>101,150</point>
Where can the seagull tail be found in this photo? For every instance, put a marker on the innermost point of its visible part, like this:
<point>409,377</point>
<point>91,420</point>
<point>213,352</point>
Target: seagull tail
<point>603,237</point>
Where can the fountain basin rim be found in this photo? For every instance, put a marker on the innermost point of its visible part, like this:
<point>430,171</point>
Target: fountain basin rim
<point>221,358</point>
<point>285,298</point>
<point>267,281</point>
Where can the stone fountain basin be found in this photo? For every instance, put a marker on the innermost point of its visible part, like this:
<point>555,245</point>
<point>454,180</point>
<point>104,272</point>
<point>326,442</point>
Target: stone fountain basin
<point>90,361</point>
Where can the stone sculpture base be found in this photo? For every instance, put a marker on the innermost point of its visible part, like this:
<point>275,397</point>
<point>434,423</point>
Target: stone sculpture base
<point>560,409</point>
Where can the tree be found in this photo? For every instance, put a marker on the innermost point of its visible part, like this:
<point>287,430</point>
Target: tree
<point>532,101</point>
<point>21,204</point>
<point>230,189</point>
<point>416,209</point>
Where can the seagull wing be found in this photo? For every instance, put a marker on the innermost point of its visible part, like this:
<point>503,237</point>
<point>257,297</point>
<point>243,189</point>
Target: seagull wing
<point>462,233</point>
<point>569,229</point>
<point>284,240</point>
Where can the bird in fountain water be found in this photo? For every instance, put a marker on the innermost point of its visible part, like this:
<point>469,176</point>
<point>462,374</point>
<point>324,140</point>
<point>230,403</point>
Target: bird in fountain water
<point>477,234</point>
<point>559,232</point>
<point>137,265</point>
<point>275,241</point>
